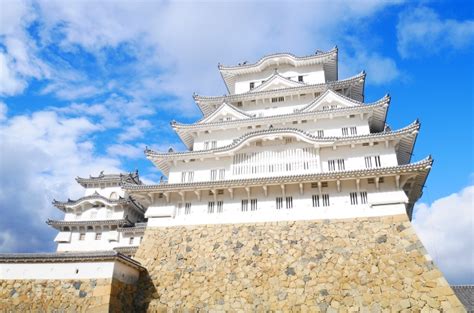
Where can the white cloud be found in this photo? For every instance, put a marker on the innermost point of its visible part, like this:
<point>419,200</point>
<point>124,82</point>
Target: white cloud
<point>380,70</point>
<point>3,111</point>
<point>421,30</point>
<point>126,150</point>
<point>446,228</point>
<point>41,155</point>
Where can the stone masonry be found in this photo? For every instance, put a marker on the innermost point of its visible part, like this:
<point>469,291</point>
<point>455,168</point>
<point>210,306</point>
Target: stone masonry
<point>357,265</point>
<point>86,295</point>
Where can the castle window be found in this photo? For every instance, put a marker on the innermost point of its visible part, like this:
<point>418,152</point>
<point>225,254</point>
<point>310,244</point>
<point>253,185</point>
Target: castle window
<point>363,197</point>
<point>278,99</point>
<point>82,236</point>
<point>206,145</point>
<point>353,196</point>
<point>210,207</point>
<point>372,161</point>
<point>252,85</point>
<point>253,204</point>
<point>300,78</point>
<point>315,201</point>
<point>325,200</point>
<point>220,206</point>
<point>213,175</point>
<point>190,177</point>
<point>130,241</point>
<point>279,203</point>
<point>239,104</point>
<point>353,130</point>
<point>289,202</point>
<point>345,131</point>
<point>98,236</point>
<point>324,184</point>
<point>332,165</point>
<point>221,174</point>
<point>314,185</point>
<point>183,177</point>
<point>320,133</point>
<point>187,208</point>
<point>371,181</point>
<point>220,191</point>
<point>245,205</point>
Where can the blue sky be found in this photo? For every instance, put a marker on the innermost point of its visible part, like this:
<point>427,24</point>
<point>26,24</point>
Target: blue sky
<point>85,86</point>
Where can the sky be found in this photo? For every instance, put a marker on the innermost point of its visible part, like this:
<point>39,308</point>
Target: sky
<point>85,86</point>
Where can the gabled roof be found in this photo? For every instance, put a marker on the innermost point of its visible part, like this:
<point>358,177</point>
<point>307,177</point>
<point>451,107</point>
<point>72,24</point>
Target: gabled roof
<point>208,104</point>
<point>224,110</point>
<point>331,97</point>
<point>328,59</point>
<point>378,109</point>
<point>131,178</point>
<point>58,224</point>
<point>96,197</point>
<point>276,81</point>
<point>162,160</point>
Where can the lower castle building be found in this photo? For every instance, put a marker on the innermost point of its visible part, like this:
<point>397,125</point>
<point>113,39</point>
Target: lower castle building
<point>293,195</point>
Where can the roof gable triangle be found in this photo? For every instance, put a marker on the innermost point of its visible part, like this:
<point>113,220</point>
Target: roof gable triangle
<point>276,82</point>
<point>225,111</point>
<point>330,100</point>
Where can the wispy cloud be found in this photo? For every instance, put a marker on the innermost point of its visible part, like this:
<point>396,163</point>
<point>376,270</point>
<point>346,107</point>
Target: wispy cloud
<point>446,228</point>
<point>422,31</point>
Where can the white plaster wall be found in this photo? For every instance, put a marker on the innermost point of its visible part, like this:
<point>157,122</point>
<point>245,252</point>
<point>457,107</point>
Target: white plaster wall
<point>69,270</point>
<point>312,75</point>
<point>105,191</point>
<point>340,206</point>
<point>331,127</point>
<point>91,244</point>
<point>354,159</point>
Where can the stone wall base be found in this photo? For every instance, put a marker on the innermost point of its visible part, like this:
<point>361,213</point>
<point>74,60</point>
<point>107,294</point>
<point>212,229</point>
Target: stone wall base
<point>85,295</point>
<point>375,264</point>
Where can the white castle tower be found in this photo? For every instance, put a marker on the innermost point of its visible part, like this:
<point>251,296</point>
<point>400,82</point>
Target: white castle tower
<point>289,142</point>
<point>105,218</point>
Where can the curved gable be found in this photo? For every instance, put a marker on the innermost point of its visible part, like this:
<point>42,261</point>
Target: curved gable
<point>277,82</point>
<point>225,111</point>
<point>330,100</point>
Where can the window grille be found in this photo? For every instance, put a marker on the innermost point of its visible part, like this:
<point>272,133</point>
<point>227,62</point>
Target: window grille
<point>253,204</point>
<point>210,207</point>
<point>325,199</point>
<point>82,236</point>
<point>289,202</point>
<point>98,236</point>
<point>279,203</point>
<point>252,85</point>
<point>363,197</point>
<point>320,133</point>
<point>187,208</point>
<point>213,144</point>
<point>345,131</point>
<point>206,145</point>
<point>213,175</point>
<point>315,201</point>
<point>245,205</point>
<point>353,130</point>
<point>190,177</point>
<point>220,206</point>
<point>353,196</point>
<point>300,78</point>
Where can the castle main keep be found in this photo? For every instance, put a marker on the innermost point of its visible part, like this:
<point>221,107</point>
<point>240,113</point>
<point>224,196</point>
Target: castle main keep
<point>293,194</point>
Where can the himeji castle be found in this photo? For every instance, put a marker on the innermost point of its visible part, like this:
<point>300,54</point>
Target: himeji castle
<point>293,195</point>
<point>289,142</point>
<point>105,218</point>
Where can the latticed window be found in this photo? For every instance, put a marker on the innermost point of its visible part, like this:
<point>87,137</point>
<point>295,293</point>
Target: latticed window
<point>289,202</point>
<point>206,145</point>
<point>331,165</point>
<point>220,206</point>
<point>82,236</point>
<point>345,131</point>
<point>187,208</point>
<point>183,177</point>
<point>252,85</point>
<point>98,236</point>
<point>245,205</point>
<point>253,204</point>
<point>339,163</point>
<point>279,203</point>
<point>315,201</point>
<point>190,177</point>
<point>213,174</point>
<point>300,78</point>
<point>363,197</point>
<point>325,199</point>
<point>130,241</point>
<point>320,133</point>
<point>210,207</point>
<point>213,144</point>
<point>353,196</point>
<point>353,130</point>
<point>372,161</point>
<point>222,174</point>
